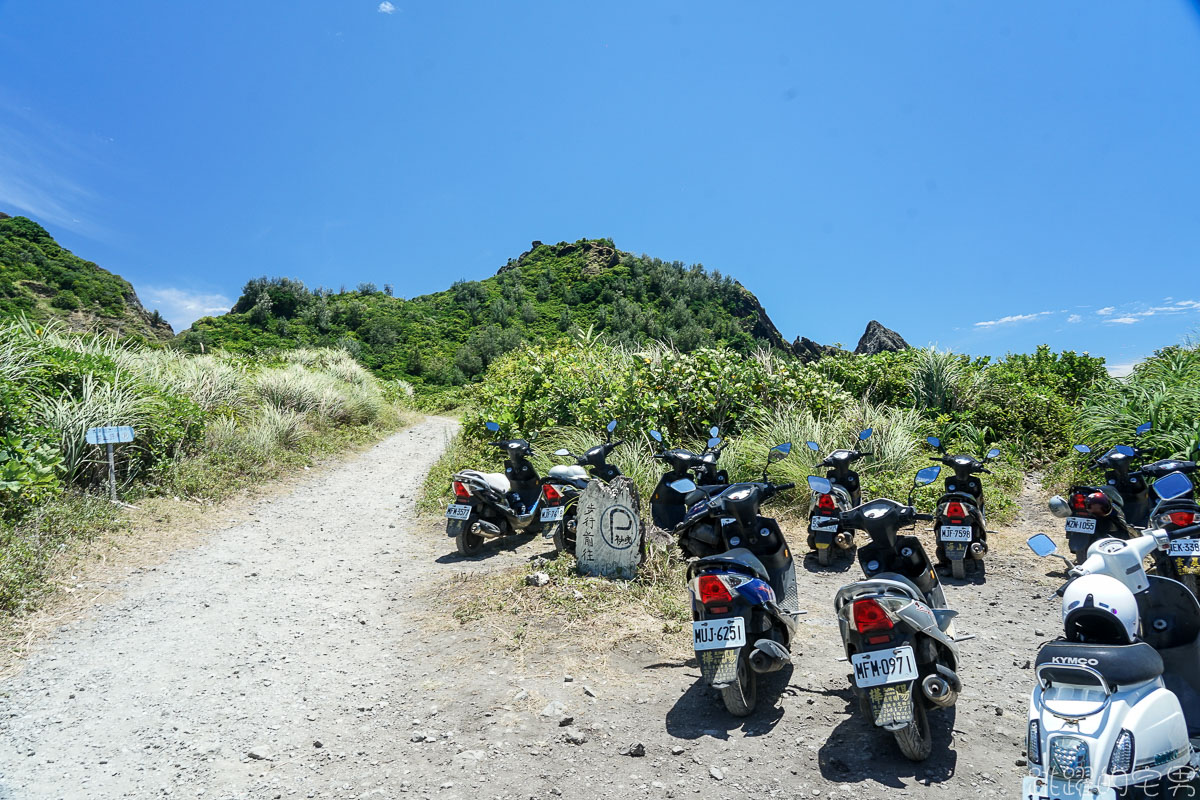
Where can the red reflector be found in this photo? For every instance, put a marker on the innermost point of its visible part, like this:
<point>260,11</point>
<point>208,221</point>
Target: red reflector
<point>826,502</point>
<point>956,511</point>
<point>1182,519</point>
<point>460,490</point>
<point>719,609</point>
<point>869,616</point>
<point>712,590</point>
<point>551,492</point>
<point>878,639</point>
<point>1078,503</point>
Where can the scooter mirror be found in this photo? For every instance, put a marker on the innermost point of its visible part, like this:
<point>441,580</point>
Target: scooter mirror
<point>1174,485</point>
<point>562,452</point>
<point>683,485</point>
<point>1042,545</point>
<point>714,431</point>
<point>993,453</point>
<point>779,452</point>
<point>927,476</point>
<point>611,426</point>
<point>1082,448</point>
<point>1143,428</point>
<point>1124,450</point>
<point>816,448</point>
<point>494,427</point>
<point>1059,506</point>
<point>656,436</point>
<point>820,485</point>
<point>714,441</point>
<point>866,434</point>
<point>933,441</point>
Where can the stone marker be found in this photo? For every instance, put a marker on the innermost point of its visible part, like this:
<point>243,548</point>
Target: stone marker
<point>608,538</point>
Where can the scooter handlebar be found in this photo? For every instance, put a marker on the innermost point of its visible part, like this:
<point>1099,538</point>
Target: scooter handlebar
<point>923,517</point>
<point>781,487</point>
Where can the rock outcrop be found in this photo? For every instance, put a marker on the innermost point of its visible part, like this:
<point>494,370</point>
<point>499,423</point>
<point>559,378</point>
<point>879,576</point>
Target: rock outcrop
<point>809,351</point>
<point>877,339</point>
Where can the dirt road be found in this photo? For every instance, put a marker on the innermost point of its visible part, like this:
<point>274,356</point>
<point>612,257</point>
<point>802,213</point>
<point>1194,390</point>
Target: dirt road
<point>308,654</point>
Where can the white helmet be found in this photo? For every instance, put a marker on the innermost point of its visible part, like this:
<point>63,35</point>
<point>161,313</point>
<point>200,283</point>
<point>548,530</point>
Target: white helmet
<point>1100,610</point>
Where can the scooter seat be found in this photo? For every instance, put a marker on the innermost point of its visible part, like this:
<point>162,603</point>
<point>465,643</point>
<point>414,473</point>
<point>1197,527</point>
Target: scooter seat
<point>567,472</point>
<point>737,557</point>
<point>961,497</point>
<point>497,480</point>
<point>1178,504</point>
<point>1119,664</point>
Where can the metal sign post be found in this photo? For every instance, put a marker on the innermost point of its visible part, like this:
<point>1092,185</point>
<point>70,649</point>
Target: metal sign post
<point>108,437</point>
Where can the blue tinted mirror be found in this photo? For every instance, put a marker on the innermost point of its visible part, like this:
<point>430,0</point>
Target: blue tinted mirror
<point>494,427</point>
<point>713,442</point>
<point>779,452</point>
<point>562,452</point>
<point>611,426</point>
<point>933,441</point>
<point>714,431</point>
<point>927,476</point>
<point>683,485</point>
<point>866,434</point>
<point>993,453</point>
<point>1174,485</point>
<point>1143,428</point>
<point>1082,448</point>
<point>813,446</point>
<point>1042,545</point>
<point>656,436</point>
<point>820,485</point>
<point>1124,450</point>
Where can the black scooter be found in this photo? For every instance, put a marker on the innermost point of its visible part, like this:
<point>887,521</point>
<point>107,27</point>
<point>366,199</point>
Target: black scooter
<point>685,470</point>
<point>1093,513</point>
<point>565,482</point>
<point>1181,560</point>
<point>743,587</point>
<point>490,505</point>
<point>845,494</point>
<point>959,527</point>
<point>1121,477</point>
<point>897,630</point>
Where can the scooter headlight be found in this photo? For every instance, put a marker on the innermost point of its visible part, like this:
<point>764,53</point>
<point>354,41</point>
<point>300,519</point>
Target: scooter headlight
<point>1069,758</point>
<point>1033,744</point>
<point>1121,762</point>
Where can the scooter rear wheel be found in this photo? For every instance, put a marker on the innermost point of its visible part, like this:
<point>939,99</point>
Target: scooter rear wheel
<point>915,740</point>
<point>823,556</point>
<point>562,542</point>
<point>468,544</point>
<point>958,568</point>
<point>741,696</point>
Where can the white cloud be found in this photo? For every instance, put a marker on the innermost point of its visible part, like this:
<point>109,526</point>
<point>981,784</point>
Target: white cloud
<point>1014,318</point>
<point>182,307</point>
<point>386,8</point>
<point>1124,320</point>
<point>1120,370</point>
<point>1074,318</point>
<point>1104,312</point>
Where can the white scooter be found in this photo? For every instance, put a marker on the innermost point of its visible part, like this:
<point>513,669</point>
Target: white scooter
<point>1106,719</point>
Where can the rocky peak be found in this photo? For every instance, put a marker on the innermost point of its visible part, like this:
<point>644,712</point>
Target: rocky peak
<point>877,339</point>
<point>809,351</point>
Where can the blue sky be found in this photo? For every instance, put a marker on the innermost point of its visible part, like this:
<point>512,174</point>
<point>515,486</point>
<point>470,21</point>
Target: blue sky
<point>983,176</point>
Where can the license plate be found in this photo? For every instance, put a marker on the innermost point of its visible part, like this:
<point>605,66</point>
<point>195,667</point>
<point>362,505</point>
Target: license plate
<point>458,511</point>
<point>823,524</point>
<point>1081,525</point>
<point>880,667</point>
<point>955,533</point>
<point>1184,547</point>
<point>1055,789</point>
<point>719,634</point>
<point>553,513</point>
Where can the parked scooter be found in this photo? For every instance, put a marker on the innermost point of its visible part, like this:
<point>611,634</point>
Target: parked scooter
<point>959,527</point>
<point>1092,513</point>
<point>565,482</point>
<point>1127,483</point>
<point>489,505</point>
<point>1117,701</point>
<point>743,587</point>
<point>897,630</point>
<point>1181,560</point>
<point>684,469</point>
<point>845,494</point>
<point>707,474</point>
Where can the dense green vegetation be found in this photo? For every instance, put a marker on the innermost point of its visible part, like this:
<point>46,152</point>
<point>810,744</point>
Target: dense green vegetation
<point>206,426</point>
<point>451,337</point>
<point>39,280</point>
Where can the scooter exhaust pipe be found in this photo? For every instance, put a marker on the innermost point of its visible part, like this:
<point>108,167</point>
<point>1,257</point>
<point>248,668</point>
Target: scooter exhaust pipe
<point>486,529</point>
<point>768,656</point>
<point>939,691</point>
<point>977,551</point>
<point>842,540</point>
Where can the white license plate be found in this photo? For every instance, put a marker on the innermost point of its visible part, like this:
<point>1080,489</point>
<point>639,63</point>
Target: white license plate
<point>553,513</point>
<point>1081,525</point>
<point>823,524</point>
<point>1184,547</point>
<point>955,533</point>
<point>458,511</point>
<point>1057,789</point>
<point>719,634</point>
<point>880,667</point>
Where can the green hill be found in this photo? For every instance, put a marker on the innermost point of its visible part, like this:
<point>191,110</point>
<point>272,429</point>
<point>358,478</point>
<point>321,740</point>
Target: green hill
<point>450,337</point>
<point>42,281</point>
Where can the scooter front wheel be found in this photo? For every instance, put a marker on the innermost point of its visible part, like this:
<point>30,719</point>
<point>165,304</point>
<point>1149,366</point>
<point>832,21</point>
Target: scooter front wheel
<point>468,544</point>
<point>562,542</point>
<point>741,696</point>
<point>915,740</point>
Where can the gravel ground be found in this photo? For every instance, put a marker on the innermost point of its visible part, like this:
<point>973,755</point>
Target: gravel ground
<point>308,653</point>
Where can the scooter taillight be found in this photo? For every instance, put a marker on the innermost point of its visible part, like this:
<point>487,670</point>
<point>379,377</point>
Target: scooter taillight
<point>1182,519</point>
<point>551,491</point>
<point>956,512</point>
<point>711,589</point>
<point>1078,502</point>
<point>460,490</point>
<point>825,502</point>
<point>871,617</point>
